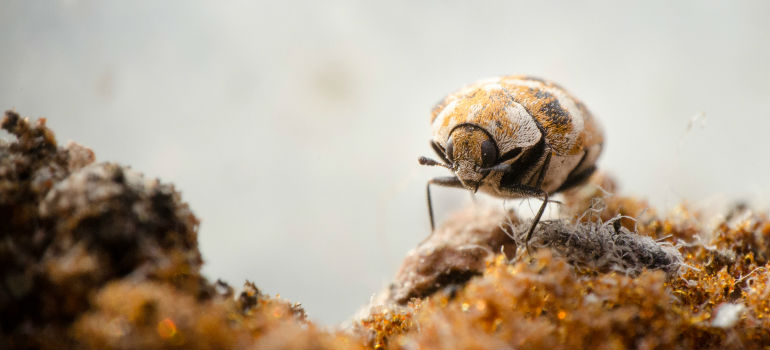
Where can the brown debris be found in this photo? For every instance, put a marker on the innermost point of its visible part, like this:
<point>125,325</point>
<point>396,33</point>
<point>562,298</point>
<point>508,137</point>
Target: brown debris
<point>460,248</point>
<point>93,255</point>
<point>452,254</point>
<point>141,315</point>
<point>69,226</point>
<point>712,291</point>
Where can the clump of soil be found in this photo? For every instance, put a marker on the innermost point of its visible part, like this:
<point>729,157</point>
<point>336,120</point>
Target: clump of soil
<point>94,255</point>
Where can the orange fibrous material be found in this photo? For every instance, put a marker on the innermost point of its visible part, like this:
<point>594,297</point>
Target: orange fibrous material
<point>81,267</point>
<point>719,298</point>
<point>382,324</point>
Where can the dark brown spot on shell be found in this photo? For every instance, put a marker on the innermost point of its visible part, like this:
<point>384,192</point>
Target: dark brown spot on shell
<point>556,114</point>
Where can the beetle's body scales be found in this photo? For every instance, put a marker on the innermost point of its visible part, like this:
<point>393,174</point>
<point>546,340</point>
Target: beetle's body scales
<point>514,136</point>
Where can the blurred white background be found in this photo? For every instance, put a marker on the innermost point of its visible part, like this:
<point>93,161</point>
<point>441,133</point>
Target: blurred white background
<point>293,128</point>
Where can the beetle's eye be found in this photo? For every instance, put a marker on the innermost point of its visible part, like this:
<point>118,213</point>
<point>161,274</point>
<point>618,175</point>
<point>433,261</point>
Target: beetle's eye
<point>449,148</point>
<point>488,153</point>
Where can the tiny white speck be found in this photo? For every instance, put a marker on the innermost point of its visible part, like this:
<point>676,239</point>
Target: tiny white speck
<point>728,314</point>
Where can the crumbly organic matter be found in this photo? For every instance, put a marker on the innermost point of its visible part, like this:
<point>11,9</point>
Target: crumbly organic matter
<point>613,275</point>
<point>451,255</point>
<point>94,255</point>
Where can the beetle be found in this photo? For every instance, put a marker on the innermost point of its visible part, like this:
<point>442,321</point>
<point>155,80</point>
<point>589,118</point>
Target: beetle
<point>513,137</point>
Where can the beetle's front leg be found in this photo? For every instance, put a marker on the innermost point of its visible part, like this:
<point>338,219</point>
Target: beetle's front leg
<point>447,181</point>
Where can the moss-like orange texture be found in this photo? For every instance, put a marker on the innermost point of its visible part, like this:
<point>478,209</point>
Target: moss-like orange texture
<point>92,255</point>
<point>720,297</point>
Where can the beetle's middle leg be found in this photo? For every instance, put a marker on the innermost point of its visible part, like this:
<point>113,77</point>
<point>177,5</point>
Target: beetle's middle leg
<point>448,181</point>
<point>517,190</point>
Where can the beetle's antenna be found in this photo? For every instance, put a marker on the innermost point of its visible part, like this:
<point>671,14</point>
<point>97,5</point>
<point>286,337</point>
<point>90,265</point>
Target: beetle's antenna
<point>430,162</point>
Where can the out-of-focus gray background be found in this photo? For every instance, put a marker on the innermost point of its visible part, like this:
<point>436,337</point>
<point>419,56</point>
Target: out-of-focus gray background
<point>293,128</point>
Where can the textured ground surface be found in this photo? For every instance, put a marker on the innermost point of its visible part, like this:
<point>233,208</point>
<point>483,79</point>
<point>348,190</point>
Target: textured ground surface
<point>95,255</point>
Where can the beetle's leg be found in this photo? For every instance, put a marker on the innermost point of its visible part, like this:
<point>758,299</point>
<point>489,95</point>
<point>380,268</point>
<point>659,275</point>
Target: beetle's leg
<point>448,181</point>
<point>536,220</point>
<point>519,190</point>
<point>544,194</point>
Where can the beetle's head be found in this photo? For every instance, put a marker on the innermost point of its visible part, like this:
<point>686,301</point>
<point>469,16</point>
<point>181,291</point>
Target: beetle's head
<point>471,151</point>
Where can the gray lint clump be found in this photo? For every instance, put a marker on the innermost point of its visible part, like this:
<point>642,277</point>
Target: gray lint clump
<point>603,246</point>
<point>458,249</point>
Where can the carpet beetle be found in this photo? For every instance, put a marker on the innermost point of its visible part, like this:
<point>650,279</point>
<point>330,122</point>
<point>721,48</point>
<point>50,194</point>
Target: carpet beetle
<point>513,137</point>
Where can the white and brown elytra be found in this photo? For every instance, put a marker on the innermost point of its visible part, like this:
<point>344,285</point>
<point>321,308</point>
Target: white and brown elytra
<point>513,137</point>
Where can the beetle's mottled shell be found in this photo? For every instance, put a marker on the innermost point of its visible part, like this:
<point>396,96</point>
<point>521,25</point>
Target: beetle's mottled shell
<point>517,111</point>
